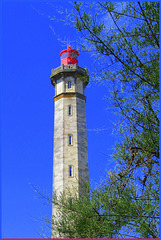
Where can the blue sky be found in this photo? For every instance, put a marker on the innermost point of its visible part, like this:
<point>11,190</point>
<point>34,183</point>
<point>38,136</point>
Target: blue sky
<point>29,51</point>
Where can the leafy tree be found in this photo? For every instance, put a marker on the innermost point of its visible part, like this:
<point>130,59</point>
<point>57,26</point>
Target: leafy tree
<point>107,212</point>
<point>124,38</point>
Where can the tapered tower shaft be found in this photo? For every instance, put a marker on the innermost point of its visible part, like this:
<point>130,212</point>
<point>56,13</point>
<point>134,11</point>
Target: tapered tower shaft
<point>70,136</point>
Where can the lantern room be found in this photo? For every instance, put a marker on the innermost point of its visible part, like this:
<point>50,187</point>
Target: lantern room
<point>69,56</point>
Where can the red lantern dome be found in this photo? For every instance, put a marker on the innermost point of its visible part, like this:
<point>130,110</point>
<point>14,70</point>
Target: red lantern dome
<point>69,56</point>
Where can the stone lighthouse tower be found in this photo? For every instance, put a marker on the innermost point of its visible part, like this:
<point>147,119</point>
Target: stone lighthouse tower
<point>70,137</point>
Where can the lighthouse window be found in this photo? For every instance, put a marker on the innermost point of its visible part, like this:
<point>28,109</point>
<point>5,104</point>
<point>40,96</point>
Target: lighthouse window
<point>69,84</point>
<point>70,139</point>
<point>64,55</point>
<point>69,110</point>
<point>70,171</point>
<point>74,55</point>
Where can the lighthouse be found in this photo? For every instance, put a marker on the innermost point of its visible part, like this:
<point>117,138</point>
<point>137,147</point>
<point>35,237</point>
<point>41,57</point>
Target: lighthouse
<point>70,158</point>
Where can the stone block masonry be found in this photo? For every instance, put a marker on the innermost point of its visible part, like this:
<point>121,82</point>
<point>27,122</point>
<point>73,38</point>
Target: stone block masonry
<point>70,158</point>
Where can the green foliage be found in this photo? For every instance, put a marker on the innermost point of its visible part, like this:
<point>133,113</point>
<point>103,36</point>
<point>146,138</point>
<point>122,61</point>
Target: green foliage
<point>125,39</point>
<point>110,211</point>
<point>130,45</point>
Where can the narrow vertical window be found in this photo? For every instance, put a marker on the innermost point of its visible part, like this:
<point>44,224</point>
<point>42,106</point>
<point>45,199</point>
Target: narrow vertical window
<point>70,139</point>
<point>69,84</point>
<point>70,171</point>
<point>69,110</point>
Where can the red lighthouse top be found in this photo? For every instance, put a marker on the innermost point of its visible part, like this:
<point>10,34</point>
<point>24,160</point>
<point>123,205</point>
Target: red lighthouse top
<point>69,56</point>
